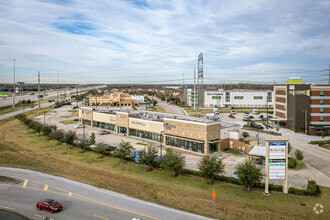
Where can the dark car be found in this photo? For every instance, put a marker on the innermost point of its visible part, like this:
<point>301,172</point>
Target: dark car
<point>246,112</point>
<point>251,116</point>
<point>110,148</point>
<point>259,127</point>
<point>49,205</point>
<point>32,106</point>
<point>76,119</point>
<point>270,112</point>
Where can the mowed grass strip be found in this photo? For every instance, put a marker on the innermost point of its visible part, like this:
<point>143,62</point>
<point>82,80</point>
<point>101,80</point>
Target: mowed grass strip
<point>67,122</point>
<point>186,193</point>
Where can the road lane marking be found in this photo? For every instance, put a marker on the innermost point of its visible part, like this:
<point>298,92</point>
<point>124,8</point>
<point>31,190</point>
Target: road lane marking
<point>91,201</point>
<point>101,217</point>
<point>25,183</point>
<point>6,207</point>
<point>46,187</point>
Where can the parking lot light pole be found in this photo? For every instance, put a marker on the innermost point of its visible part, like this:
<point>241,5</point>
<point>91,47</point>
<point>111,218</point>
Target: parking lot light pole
<point>161,143</point>
<point>258,136</point>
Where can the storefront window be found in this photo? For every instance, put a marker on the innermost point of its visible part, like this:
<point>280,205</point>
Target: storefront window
<point>185,144</point>
<point>213,147</point>
<point>145,135</point>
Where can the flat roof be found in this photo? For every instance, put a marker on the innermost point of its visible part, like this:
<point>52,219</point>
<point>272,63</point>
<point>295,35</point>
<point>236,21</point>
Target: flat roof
<point>258,151</point>
<point>158,116</point>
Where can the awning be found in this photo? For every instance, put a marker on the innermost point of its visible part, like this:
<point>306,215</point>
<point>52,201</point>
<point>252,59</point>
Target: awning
<point>258,151</point>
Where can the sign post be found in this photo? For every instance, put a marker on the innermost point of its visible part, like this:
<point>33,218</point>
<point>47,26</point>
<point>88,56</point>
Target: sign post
<point>214,202</point>
<point>276,163</point>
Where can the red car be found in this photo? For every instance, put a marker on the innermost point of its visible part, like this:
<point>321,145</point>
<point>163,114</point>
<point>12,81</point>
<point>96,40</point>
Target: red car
<point>50,205</point>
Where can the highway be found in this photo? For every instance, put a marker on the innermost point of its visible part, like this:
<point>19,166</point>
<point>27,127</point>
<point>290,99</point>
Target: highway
<point>7,101</point>
<point>80,201</point>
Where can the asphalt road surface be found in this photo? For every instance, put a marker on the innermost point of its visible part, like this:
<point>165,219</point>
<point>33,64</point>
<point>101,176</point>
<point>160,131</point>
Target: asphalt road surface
<point>7,101</point>
<point>80,201</point>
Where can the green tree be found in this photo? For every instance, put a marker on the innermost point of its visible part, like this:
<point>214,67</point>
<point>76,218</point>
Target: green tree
<point>210,167</point>
<point>299,155</point>
<point>69,137</point>
<point>47,130</point>
<point>148,156</point>
<point>248,174</point>
<point>57,135</point>
<point>92,140</point>
<point>289,147</point>
<point>173,161</point>
<point>245,135</point>
<point>123,150</point>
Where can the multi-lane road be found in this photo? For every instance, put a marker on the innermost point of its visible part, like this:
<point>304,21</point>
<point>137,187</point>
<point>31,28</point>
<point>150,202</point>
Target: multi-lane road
<point>7,101</point>
<point>80,201</point>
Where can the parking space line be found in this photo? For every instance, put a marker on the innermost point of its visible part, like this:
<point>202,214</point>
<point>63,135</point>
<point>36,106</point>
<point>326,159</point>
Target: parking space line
<point>101,217</point>
<point>46,187</point>
<point>25,183</point>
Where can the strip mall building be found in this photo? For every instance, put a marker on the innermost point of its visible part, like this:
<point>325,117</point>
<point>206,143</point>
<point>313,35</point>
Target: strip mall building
<point>189,133</point>
<point>303,106</point>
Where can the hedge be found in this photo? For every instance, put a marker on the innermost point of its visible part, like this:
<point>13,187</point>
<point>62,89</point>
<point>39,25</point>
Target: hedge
<point>292,162</point>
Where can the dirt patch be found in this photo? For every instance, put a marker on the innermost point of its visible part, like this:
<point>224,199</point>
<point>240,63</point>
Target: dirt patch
<point>8,180</point>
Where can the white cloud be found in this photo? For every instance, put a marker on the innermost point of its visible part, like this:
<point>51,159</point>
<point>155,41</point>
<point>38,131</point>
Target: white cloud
<point>161,34</point>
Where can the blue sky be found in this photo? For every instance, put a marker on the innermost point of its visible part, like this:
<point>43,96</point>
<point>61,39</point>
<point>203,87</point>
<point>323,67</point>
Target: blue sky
<point>146,41</point>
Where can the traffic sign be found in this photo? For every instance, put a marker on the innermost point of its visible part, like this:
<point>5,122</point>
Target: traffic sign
<point>137,157</point>
<point>3,93</point>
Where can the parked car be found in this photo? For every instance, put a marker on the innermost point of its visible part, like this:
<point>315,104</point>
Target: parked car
<point>235,175</point>
<point>233,112</point>
<point>50,205</point>
<point>76,119</point>
<point>246,112</point>
<point>270,116</point>
<point>246,116</point>
<point>79,126</point>
<point>270,112</point>
<point>103,132</point>
<point>110,148</point>
<point>259,126</point>
<point>32,106</point>
<point>251,116</point>
<point>32,93</point>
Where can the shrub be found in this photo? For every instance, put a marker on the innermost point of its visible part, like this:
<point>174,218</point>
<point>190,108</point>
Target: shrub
<point>210,167</point>
<point>292,162</point>
<point>248,174</point>
<point>173,161</point>
<point>47,129</point>
<point>92,139</point>
<point>148,156</point>
<point>289,147</point>
<point>123,150</point>
<point>69,137</point>
<point>57,135</point>
<point>245,135</point>
<point>312,190</point>
<point>299,155</point>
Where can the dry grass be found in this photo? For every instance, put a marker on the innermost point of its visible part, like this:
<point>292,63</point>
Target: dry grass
<point>28,150</point>
<point>67,122</point>
<point>75,113</point>
<point>158,109</point>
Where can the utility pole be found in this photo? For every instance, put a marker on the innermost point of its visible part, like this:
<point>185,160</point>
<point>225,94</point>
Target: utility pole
<point>58,86</point>
<point>44,118</point>
<point>14,86</point>
<point>194,94</point>
<point>84,133</point>
<point>305,121</point>
<point>77,95</point>
<point>39,90</point>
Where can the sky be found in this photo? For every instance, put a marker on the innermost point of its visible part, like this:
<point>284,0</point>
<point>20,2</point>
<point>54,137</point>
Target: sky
<point>146,41</point>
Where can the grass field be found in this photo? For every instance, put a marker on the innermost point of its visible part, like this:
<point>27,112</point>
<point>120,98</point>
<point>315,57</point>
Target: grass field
<point>67,122</point>
<point>232,151</point>
<point>24,148</point>
<point>158,109</point>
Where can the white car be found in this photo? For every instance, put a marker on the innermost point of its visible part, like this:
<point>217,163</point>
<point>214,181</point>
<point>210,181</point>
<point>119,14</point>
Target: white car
<point>246,116</point>
<point>233,112</point>
<point>79,126</point>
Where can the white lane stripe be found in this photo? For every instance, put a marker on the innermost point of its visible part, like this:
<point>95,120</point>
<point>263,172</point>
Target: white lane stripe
<point>6,207</point>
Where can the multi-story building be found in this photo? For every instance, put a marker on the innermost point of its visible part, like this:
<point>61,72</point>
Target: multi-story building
<point>188,133</point>
<point>303,107</point>
<point>116,99</point>
<point>230,98</point>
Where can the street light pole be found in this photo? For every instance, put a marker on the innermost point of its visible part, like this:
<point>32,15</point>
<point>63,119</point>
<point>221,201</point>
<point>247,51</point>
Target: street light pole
<point>14,86</point>
<point>161,143</point>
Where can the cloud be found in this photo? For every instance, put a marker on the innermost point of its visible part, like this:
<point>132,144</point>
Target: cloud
<point>164,36</point>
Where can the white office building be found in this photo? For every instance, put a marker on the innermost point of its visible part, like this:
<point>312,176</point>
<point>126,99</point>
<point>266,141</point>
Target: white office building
<point>231,98</point>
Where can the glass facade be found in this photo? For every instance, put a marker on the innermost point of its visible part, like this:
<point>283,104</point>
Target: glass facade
<point>105,126</point>
<point>122,130</point>
<point>185,144</point>
<point>145,134</point>
<point>87,122</point>
<point>213,147</point>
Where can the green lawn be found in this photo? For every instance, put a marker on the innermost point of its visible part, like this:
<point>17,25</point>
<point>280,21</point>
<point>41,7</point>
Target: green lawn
<point>232,151</point>
<point>67,122</point>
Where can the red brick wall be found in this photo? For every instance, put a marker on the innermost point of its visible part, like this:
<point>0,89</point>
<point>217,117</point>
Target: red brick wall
<point>281,107</point>
<point>318,93</point>
<point>279,99</point>
<point>317,101</point>
<point>280,114</point>
<point>317,110</point>
<point>279,92</point>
